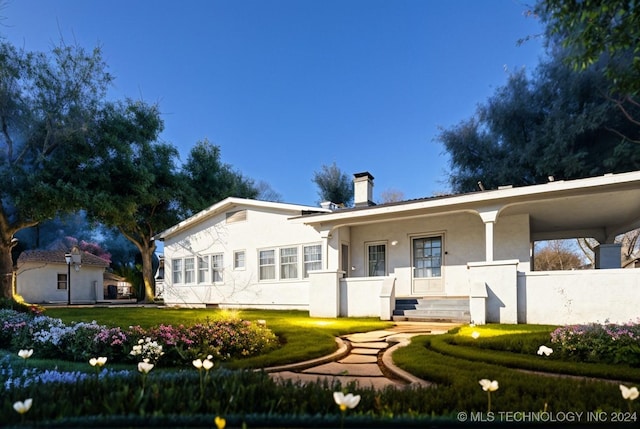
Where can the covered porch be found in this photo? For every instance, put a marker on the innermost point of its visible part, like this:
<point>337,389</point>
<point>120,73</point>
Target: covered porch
<point>480,247</point>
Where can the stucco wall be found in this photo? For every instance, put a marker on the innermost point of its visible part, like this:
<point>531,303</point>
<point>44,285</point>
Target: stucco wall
<point>262,230</point>
<point>464,238</point>
<point>567,297</point>
<point>360,297</point>
<point>38,283</point>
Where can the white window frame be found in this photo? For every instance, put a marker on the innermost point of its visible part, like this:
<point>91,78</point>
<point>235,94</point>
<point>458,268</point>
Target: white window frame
<point>176,271</point>
<point>264,263</point>
<point>415,269</point>
<point>310,264</point>
<point>60,285</point>
<point>289,263</point>
<point>203,269</point>
<point>217,268</point>
<point>368,246</point>
<point>189,273</point>
<point>236,259</point>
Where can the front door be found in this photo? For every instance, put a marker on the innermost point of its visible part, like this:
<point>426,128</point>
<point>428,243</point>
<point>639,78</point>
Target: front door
<point>427,272</point>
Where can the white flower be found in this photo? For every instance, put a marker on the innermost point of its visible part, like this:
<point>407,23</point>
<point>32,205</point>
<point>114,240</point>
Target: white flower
<point>25,354</point>
<point>629,393</point>
<point>197,363</point>
<point>475,335</point>
<point>23,407</point>
<point>207,364</point>
<point>488,385</point>
<point>98,361</point>
<point>544,350</point>
<point>346,401</point>
<point>145,367</point>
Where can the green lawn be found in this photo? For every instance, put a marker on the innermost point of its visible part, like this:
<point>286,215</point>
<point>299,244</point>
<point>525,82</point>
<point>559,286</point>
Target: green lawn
<point>302,337</point>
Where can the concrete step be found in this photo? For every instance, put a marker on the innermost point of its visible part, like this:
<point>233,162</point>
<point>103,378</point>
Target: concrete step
<point>450,309</point>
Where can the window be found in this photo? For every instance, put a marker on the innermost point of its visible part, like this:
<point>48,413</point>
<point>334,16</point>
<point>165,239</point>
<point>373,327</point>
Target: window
<point>376,260</point>
<point>289,263</point>
<point>427,257</point>
<point>238,260</point>
<point>267,265</point>
<point>216,266</point>
<point>312,259</point>
<point>176,271</point>
<point>189,270</point>
<point>62,281</point>
<point>203,269</point>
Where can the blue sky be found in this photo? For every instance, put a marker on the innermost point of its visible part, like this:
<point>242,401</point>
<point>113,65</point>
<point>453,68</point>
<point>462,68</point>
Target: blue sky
<point>285,86</point>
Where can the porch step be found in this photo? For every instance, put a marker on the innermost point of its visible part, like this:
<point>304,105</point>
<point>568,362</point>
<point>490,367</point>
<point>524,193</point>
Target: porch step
<point>433,309</point>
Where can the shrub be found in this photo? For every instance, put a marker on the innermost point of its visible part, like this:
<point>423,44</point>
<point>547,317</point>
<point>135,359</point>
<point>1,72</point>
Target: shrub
<point>599,343</point>
<point>222,339</point>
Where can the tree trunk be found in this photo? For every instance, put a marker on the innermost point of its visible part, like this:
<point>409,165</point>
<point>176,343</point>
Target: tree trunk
<point>147,271</point>
<point>6,270</point>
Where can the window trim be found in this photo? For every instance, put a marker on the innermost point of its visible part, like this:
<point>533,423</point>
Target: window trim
<point>191,271</point>
<point>206,270</point>
<point>367,246</point>
<point>66,281</point>
<point>237,267</point>
<point>217,269</point>
<point>305,271</point>
<point>274,265</point>
<point>294,265</point>
<point>415,237</point>
<point>179,271</point>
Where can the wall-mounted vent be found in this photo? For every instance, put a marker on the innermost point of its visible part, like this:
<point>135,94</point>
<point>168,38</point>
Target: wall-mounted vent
<point>237,216</point>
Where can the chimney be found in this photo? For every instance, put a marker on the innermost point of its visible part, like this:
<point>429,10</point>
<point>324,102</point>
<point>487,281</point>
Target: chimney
<point>363,189</point>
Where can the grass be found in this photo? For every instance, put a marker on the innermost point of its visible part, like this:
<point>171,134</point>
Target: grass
<point>510,346</point>
<point>302,337</point>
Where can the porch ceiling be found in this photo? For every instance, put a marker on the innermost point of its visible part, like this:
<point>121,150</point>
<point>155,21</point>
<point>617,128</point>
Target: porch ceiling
<point>601,215</point>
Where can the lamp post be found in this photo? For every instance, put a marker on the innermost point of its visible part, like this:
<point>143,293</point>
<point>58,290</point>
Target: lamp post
<point>67,258</point>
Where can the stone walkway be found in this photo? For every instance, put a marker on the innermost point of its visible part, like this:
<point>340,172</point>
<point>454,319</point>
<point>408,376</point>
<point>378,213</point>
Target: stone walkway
<point>363,358</point>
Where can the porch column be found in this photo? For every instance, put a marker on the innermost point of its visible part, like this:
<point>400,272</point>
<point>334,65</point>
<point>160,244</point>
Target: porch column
<point>489,217</point>
<point>330,250</point>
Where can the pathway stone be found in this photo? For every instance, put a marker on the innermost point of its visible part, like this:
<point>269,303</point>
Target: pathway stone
<point>359,359</point>
<point>365,351</point>
<point>362,359</point>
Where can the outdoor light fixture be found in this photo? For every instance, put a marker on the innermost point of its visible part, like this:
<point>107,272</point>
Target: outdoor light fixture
<point>67,258</point>
<point>74,257</point>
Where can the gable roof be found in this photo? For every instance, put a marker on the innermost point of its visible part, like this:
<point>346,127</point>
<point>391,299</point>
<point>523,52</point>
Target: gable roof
<point>57,257</point>
<point>233,202</point>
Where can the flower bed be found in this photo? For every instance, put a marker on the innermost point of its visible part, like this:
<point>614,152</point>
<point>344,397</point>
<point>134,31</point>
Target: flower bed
<point>600,343</point>
<point>221,339</point>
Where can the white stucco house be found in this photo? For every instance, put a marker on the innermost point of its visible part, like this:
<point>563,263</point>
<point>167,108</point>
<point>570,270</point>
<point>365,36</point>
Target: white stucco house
<point>466,257</point>
<point>43,277</point>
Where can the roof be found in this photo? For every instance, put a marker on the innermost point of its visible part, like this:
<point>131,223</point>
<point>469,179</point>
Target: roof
<point>230,203</point>
<point>602,206</point>
<point>57,257</point>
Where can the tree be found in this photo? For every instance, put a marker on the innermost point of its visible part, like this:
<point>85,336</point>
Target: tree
<point>629,248</point>
<point>209,180</point>
<point>556,255</point>
<point>593,31</point>
<point>555,123</point>
<point>391,196</point>
<point>48,105</point>
<point>334,185</point>
<point>134,185</point>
